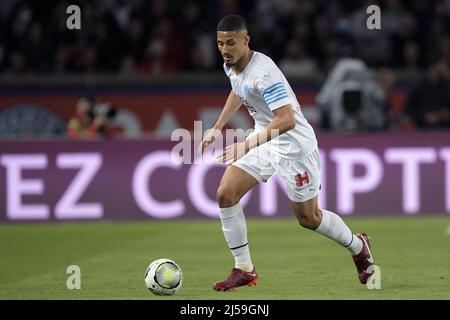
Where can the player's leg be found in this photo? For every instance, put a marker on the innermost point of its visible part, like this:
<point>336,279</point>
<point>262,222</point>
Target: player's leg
<point>303,191</point>
<point>327,223</point>
<point>234,185</point>
<point>332,226</point>
<point>237,180</point>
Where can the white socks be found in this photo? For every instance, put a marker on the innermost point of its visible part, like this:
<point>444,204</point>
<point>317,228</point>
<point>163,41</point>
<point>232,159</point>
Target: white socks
<point>235,232</point>
<point>234,229</point>
<point>333,227</point>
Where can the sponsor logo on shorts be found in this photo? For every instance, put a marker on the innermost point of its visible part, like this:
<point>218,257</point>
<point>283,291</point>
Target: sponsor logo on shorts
<point>302,179</point>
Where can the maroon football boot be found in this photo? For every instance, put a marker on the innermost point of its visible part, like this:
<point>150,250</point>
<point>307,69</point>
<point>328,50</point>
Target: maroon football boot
<point>237,278</point>
<point>364,260</point>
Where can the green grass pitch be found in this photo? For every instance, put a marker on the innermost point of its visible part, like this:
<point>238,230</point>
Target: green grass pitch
<point>293,263</point>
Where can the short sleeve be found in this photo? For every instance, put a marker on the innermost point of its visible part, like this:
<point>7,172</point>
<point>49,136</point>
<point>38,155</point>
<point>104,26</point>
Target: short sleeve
<point>271,86</point>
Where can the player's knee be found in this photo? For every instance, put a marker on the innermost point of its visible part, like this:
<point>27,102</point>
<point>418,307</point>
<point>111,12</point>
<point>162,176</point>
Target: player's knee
<point>306,222</point>
<point>310,219</point>
<point>227,197</point>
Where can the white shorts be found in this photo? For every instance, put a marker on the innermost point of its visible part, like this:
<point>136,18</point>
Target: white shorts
<point>302,176</point>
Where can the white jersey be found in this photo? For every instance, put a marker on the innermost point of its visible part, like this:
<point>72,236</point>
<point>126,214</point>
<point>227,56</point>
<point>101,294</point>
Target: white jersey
<point>262,88</point>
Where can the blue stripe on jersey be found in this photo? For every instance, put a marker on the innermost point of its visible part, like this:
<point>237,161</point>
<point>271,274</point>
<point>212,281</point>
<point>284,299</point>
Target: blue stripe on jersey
<point>273,93</point>
<point>272,88</point>
<point>277,97</point>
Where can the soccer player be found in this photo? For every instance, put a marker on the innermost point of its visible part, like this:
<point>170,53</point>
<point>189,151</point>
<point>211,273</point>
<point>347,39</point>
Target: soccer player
<point>283,142</point>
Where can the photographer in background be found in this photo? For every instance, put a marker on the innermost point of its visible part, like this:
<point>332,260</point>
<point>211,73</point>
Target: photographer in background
<point>92,120</point>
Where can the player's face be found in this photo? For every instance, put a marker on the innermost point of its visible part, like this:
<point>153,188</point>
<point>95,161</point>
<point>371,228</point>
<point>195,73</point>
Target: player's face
<point>232,45</point>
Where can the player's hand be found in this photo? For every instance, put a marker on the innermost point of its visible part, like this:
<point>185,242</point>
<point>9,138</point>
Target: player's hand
<point>208,139</point>
<point>233,152</point>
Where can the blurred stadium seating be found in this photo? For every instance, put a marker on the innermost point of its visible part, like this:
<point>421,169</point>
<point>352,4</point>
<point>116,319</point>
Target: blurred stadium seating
<point>144,56</point>
<point>160,37</point>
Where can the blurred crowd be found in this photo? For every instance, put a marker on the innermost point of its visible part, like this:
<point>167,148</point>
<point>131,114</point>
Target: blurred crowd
<point>305,37</point>
<point>171,36</point>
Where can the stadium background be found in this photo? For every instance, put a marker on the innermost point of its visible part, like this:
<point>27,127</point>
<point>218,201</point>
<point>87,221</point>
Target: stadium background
<point>156,62</point>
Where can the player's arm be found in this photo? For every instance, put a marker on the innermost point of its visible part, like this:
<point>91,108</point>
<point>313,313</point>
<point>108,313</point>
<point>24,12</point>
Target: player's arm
<point>272,88</point>
<point>283,121</point>
<point>231,106</point>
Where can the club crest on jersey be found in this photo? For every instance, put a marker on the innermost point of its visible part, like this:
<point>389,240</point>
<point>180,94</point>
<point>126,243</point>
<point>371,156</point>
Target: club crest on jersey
<point>246,90</point>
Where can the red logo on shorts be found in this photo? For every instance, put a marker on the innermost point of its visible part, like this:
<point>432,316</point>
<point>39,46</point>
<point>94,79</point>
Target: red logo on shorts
<point>301,179</point>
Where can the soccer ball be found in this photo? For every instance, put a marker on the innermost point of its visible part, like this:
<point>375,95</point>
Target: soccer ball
<point>163,277</point>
